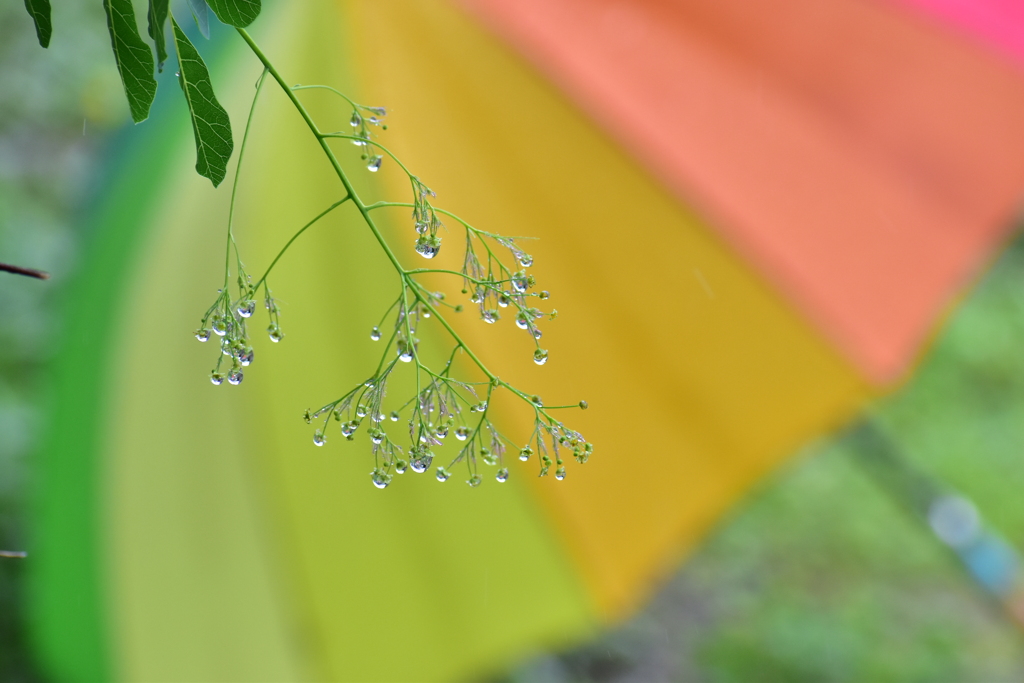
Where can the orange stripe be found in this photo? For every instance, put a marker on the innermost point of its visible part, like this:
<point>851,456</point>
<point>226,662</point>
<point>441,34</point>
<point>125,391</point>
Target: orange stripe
<point>864,162</point>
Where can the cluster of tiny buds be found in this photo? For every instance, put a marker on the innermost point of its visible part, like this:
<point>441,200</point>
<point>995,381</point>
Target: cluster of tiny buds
<point>362,118</point>
<point>496,287</point>
<point>445,407</point>
<point>227,319</point>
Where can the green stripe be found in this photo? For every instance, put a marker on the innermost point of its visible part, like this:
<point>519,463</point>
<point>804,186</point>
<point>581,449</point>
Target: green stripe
<point>66,584</point>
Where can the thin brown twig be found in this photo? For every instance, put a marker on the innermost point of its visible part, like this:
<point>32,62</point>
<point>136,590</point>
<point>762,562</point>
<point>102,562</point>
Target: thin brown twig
<point>18,270</point>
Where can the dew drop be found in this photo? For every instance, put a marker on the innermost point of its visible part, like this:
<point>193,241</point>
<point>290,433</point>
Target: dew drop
<point>521,322</point>
<point>490,316</point>
<point>502,475</point>
<point>318,438</point>
<point>203,334</point>
<point>375,334</point>
<point>525,260</point>
<point>220,327</point>
<point>394,416</point>
<point>461,433</point>
<point>537,333</point>
<point>427,246</point>
<point>442,474</point>
<point>246,308</point>
<point>540,356</point>
<point>475,480</point>
<point>246,357</point>
<point>356,119</point>
<point>235,377</point>
<point>373,165</point>
<point>380,478</point>
<point>560,473</point>
<point>400,466</point>
<point>217,378</point>
<point>275,333</point>
<point>525,453</point>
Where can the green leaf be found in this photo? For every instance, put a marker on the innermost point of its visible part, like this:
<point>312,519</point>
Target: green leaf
<point>201,15</point>
<point>238,13</point>
<point>210,122</point>
<point>133,56</point>
<point>157,19</point>
<point>39,10</point>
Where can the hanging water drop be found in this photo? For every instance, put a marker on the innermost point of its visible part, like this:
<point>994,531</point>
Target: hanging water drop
<point>380,478</point>
<point>525,260</point>
<point>502,475</point>
<point>400,466</point>
<point>203,334</point>
<point>275,333</point>
<point>220,327</point>
<point>490,316</point>
<point>235,377</point>
<point>356,119</point>
<point>540,356</point>
<point>217,378</point>
<point>375,334</point>
<point>461,433</point>
<point>394,416</point>
<point>373,165</point>
<point>427,246</point>
<point>525,453</point>
<point>475,480</point>
<point>560,473</point>
<point>246,308</point>
<point>348,429</point>
<point>521,322</point>
<point>318,438</point>
<point>245,358</point>
<point>442,474</point>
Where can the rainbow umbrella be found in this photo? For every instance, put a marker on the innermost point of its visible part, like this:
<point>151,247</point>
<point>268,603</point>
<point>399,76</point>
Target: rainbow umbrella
<point>752,216</point>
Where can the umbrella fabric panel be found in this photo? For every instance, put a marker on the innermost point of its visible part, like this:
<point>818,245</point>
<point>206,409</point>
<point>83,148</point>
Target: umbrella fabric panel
<point>837,145</point>
<point>700,377</point>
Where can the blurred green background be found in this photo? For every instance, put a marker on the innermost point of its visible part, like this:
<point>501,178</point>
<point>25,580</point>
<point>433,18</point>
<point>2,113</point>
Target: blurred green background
<point>820,575</point>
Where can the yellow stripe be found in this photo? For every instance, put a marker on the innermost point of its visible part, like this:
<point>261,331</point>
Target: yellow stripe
<point>699,377</point>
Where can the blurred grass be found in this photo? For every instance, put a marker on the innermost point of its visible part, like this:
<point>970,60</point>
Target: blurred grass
<point>822,575</point>
<point>56,110</point>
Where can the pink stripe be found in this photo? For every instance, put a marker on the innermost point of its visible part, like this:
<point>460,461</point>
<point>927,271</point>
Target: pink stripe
<point>997,22</point>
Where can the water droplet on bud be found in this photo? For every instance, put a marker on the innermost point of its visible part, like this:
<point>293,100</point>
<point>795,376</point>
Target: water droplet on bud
<point>427,246</point>
<point>461,433</point>
<point>475,480</point>
<point>318,438</point>
<point>540,356</point>
<point>373,165</point>
<point>502,475</point>
<point>235,377</point>
<point>203,334</point>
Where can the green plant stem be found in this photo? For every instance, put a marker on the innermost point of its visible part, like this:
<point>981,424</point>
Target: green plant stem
<point>364,211</point>
<point>234,185</point>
